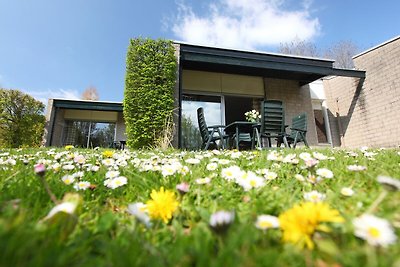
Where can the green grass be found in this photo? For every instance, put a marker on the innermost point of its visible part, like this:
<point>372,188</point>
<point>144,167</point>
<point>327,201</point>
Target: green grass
<point>103,233</point>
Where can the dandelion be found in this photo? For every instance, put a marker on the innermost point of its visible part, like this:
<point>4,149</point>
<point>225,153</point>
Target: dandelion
<point>162,205</point>
<point>69,147</point>
<point>221,220</point>
<point>324,173</point>
<point>300,222</point>
<point>347,191</point>
<point>82,185</point>
<point>314,196</point>
<point>265,222</point>
<point>376,231</point>
<point>108,154</point>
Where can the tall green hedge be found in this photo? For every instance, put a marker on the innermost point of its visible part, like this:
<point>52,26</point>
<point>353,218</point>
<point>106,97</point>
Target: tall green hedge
<point>149,89</point>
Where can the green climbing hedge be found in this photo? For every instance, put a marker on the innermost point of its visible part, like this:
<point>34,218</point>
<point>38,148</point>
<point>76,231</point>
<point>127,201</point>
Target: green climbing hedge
<point>149,89</point>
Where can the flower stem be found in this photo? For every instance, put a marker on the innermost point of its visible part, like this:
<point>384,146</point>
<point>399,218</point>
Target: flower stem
<point>377,201</point>
<point>47,188</point>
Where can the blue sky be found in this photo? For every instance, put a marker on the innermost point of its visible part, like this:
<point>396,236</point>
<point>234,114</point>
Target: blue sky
<point>58,48</point>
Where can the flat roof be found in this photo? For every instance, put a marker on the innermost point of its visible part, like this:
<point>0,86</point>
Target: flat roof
<point>87,104</point>
<point>254,63</point>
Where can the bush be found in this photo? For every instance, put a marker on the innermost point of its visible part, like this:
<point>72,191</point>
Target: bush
<point>149,89</point>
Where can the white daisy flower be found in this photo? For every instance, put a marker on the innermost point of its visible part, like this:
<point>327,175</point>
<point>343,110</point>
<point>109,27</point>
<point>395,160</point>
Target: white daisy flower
<point>205,180</point>
<point>319,156</point>
<point>231,173</point>
<point>376,231</point>
<point>314,196</point>
<point>389,183</point>
<point>300,177</point>
<point>347,191</point>
<point>193,161</point>
<point>224,161</point>
<point>117,182</point>
<point>356,168</point>
<point>82,185</point>
<point>66,207</point>
<point>168,169</point>
<point>265,222</point>
<point>270,175</point>
<point>139,210</point>
<point>212,166</point>
<point>324,173</point>
<point>112,174</point>
<point>68,179</point>
<point>68,167</point>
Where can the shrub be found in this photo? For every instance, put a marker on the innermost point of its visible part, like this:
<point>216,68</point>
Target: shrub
<point>149,89</point>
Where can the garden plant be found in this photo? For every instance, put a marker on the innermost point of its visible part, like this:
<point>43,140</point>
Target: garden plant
<point>284,207</point>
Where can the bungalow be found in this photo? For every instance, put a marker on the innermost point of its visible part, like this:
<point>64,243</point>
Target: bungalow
<point>227,83</point>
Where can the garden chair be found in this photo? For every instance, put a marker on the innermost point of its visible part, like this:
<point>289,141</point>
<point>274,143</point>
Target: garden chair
<point>210,134</point>
<point>272,124</point>
<point>298,130</point>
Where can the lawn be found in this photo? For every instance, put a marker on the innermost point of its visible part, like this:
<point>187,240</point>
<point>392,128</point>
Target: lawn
<point>303,207</point>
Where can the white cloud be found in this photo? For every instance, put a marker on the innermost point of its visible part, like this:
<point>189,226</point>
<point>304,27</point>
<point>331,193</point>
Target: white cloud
<point>245,24</point>
<point>44,96</point>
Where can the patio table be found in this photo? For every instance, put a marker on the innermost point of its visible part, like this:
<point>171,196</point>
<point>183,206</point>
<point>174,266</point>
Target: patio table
<point>240,127</point>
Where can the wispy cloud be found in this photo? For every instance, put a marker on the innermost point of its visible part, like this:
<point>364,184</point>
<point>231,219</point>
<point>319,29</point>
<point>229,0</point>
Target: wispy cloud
<point>44,96</point>
<point>246,24</point>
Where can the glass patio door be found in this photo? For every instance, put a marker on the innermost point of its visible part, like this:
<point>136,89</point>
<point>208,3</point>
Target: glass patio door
<point>212,105</point>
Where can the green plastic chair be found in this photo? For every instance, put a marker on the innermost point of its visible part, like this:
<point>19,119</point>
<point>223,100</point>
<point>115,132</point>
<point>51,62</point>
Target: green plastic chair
<point>210,134</point>
<point>298,130</point>
<point>272,124</point>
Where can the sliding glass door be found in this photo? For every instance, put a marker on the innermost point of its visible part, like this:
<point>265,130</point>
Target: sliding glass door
<point>212,106</point>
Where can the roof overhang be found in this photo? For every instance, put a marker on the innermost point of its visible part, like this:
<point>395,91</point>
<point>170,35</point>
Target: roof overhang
<point>302,69</point>
<point>88,105</point>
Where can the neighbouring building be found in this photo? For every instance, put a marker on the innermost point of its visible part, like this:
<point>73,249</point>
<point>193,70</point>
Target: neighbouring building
<point>367,114</point>
<point>226,83</point>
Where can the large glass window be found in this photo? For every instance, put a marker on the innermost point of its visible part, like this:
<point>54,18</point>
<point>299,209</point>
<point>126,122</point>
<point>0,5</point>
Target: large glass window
<point>191,138</point>
<point>88,134</point>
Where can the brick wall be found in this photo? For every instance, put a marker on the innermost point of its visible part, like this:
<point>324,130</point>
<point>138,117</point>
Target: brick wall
<point>372,118</point>
<point>296,100</point>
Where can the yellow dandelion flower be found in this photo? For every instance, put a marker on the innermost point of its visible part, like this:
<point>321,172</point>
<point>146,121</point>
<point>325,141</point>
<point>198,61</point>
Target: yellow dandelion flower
<point>301,221</point>
<point>162,204</point>
<point>108,154</point>
<point>69,147</point>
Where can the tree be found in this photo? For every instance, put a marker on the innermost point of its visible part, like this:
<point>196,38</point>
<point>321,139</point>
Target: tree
<point>21,119</point>
<point>90,94</point>
<point>342,52</point>
<point>299,48</point>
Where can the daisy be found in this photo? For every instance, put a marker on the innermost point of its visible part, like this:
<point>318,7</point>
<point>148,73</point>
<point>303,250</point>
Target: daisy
<point>231,173</point>
<point>206,180</point>
<point>347,191</point>
<point>221,220</point>
<point>324,173</point>
<point>356,168</point>
<point>82,185</point>
<point>66,207</point>
<point>212,166</point>
<point>117,182</point>
<point>314,196</point>
<point>193,161</point>
<point>265,222</point>
<point>68,179</point>
<point>139,210</point>
<point>376,231</point>
<point>112,174</point>
<point>389,183</point>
